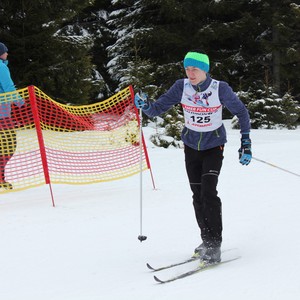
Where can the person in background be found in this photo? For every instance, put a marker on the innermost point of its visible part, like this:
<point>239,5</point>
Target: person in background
<point>8,141</point>
<point>204,136</point>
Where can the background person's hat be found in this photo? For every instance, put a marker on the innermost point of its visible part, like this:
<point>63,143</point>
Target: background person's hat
<point>3,48</point>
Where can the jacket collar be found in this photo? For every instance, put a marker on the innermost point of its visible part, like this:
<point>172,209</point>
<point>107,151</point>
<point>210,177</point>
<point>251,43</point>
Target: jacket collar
<point>4,61</point>
<point>202,86</point>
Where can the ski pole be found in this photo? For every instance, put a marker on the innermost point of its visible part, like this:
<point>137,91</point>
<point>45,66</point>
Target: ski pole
<point>282,169</point>
<point>141,237</point>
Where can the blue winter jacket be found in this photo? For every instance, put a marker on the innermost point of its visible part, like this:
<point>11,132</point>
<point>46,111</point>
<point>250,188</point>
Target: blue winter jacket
<point>7,85</point>
<point>202,140</point>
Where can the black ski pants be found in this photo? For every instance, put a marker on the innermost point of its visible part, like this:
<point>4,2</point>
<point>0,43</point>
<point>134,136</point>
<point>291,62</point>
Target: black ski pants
<point>203,169</point>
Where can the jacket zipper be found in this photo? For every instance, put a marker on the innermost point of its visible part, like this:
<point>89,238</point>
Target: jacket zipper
<point>217,133</point>
<point>199,142</point>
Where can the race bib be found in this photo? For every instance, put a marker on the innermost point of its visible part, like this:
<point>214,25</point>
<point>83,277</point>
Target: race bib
<point>202,110</point>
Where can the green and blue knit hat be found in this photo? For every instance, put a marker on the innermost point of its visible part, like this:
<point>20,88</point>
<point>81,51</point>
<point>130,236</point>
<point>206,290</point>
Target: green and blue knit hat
<point>197,60</point>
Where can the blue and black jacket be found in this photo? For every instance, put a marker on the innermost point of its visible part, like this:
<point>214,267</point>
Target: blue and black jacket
<point>202,140</point>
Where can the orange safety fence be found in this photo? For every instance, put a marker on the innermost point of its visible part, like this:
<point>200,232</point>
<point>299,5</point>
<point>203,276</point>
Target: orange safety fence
<point>44,142</point>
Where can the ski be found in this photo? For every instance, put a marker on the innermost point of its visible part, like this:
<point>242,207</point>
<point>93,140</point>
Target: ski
<point>177,264</point>
<point>172,265</point>
<point>201,268</point>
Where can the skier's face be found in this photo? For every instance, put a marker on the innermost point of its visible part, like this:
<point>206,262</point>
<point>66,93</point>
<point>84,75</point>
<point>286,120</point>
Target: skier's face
<point>195,75</point>
<point>4,56</point>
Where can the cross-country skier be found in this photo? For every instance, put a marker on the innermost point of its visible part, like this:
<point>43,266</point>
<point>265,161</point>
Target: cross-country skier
<point>204,136</point>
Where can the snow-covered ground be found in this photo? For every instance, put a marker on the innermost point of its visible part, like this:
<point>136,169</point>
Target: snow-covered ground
<point>86,248</point>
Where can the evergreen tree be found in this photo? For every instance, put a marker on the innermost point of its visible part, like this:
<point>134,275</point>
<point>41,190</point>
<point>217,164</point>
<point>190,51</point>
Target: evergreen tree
<point>83,51</point>
<point>93,21</point>
<point>280,28</point>
<point>153,33</point>
<point>39,54</point>
<point>281,43</point>
<point>228,36</point>
<point>268,110</point>
<point>127,31</point>
<point>291,111</point>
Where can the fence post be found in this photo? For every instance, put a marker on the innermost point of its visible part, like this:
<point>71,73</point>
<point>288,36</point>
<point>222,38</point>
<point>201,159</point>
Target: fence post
<point>33,103</point>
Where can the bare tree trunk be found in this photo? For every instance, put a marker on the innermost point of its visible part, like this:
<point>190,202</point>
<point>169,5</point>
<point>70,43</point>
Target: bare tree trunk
<point>276,57</point>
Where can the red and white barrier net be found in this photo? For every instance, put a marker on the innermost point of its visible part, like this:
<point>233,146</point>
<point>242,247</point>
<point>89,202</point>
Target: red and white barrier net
<point>43,141</point>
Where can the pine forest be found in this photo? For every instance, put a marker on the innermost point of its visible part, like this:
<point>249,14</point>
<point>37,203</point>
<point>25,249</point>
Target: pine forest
<point>81,52</point>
